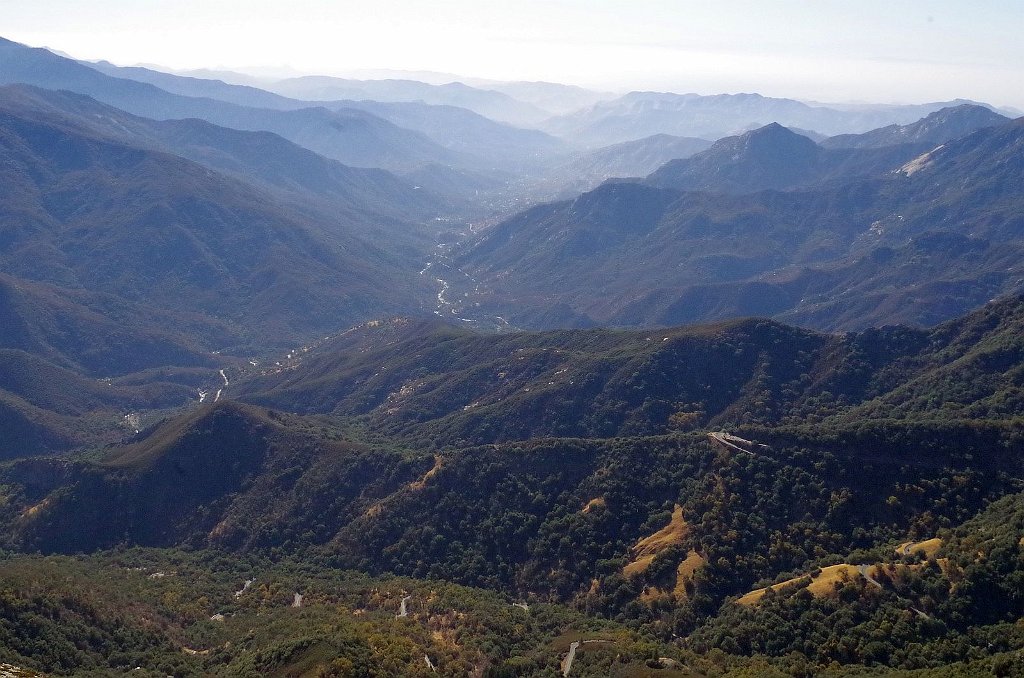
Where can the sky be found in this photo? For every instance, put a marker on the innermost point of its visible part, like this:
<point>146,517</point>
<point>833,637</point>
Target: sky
<point>899,51</point>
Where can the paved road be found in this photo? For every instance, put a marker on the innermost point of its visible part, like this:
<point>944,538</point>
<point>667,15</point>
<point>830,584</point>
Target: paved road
<point>865,571</point>
<point>567,662</point>
<point>723,439</point>
<point>403,611</point>
<point>245,587</point>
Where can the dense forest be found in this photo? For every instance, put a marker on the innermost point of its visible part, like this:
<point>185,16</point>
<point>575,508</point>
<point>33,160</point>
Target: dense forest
<point>864,510</point>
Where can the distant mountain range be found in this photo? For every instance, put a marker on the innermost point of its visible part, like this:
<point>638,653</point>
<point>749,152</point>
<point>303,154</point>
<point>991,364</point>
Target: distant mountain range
<point>453,126</point>
<point>356,196</point>
<point>350,136</point>
<point>629,159</point>
<point>489,103</point>
<point>873,237</point>
<point>641,114</point>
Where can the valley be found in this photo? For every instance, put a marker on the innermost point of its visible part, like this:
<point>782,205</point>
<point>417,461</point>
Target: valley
<point>316,375</point>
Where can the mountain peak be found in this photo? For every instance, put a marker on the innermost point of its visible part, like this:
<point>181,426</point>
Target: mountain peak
<point>771,128</point>
<point>763,143</point>
<point>769,157</point>
<point>778,133</point>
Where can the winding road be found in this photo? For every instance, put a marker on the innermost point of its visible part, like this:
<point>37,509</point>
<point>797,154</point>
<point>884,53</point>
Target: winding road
<point>403,611</point>
<point>569,658</point>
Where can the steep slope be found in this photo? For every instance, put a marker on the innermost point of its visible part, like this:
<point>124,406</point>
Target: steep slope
<point>768,157</point>
<point>352,137</point>
<point>936,128</point>
<point>357,197</point>
<point>160,483</point>
<point>142,238</point>
<point>813,510</point>
<point>841,254</point>
<point>46,408</point>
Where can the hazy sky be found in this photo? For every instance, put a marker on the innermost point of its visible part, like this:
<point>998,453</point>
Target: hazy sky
<point>831,50</point>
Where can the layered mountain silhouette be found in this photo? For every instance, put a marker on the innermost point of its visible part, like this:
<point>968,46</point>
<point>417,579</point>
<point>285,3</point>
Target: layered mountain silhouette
<point>641,114</point>
<point>131,244</point>
<point>350,136</point>
<point>357,196</point>
<point>456,128</point>
<point>489,103</point>
<point>774,157</point>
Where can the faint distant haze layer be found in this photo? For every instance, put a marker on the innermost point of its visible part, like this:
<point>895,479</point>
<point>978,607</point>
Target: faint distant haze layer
<point>873,50</point>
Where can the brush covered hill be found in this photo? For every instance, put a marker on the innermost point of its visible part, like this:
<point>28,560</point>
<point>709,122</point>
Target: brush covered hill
<point>426,378</point>
<point>963,590</point>
<point>47,408</point>
<point>150,612</point>
<point>924,242</point>
<point>584,522</point>
<point>646,522</point>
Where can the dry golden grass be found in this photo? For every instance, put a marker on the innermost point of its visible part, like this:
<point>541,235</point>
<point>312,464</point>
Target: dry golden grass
<point>637,566</point>
<point>422,482</point>
<point>652,593</point>
<point>31,511</point>
<point>685,572</point>
<point>819,586</point>
<point>824,583</point>
<point>927,548</point>
<point>647,548</point>
<point>593,504</point>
